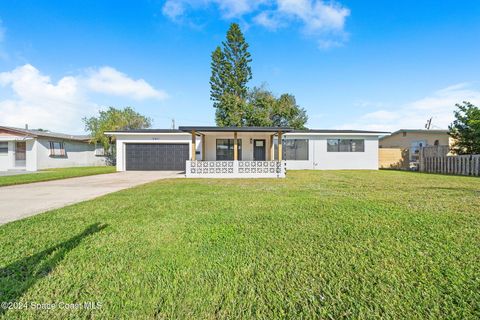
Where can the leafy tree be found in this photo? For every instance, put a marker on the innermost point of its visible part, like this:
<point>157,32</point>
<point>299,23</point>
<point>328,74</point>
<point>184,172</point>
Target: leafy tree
<point>266,110</point>
<point>465,130</point>
<point>114,119</point>
<point>230,74</point>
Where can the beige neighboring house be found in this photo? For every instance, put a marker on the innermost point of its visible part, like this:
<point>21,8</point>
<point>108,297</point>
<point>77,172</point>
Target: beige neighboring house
<point>402,148</point>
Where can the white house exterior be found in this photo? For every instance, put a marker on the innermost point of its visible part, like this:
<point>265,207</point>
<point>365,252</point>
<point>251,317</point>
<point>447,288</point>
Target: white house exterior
<point>245,152</point>
<point>32,150</point>
<point>321,157</point>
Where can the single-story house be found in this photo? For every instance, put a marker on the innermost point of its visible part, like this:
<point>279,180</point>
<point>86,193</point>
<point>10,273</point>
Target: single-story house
<point>32,150</point>
<point>412,140</point>
<point>245,151</point>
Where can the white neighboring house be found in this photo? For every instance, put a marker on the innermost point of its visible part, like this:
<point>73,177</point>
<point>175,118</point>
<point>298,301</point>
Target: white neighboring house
<point>32,150</point>
<point>250,152</point>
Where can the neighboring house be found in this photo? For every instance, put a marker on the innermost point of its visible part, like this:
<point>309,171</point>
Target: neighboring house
<point>410,141</point>
<point>32,150</point>
<point>245,151</point>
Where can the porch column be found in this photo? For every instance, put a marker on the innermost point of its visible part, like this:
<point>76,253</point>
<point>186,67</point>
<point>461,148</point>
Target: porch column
<point>194,146</point>
<point>235,146</point>
<point>279,145</point>
<point>272,148</point>
<point>203,148</point>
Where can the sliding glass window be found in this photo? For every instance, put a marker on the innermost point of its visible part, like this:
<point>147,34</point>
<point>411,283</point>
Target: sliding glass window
<point>345,145</point>
<point>225,149</point>
<point>292,149</point>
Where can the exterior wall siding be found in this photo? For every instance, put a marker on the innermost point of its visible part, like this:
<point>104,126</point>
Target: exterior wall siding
<point>7,162</point>
<point>78,154</point>
<point>6,159</point>
<point>320,159</point>
<point>399,141</point>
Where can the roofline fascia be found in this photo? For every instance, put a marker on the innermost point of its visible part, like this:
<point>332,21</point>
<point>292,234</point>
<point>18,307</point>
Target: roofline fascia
<point>335,134</point>
<point>120,133</point>
<point>18,131</point>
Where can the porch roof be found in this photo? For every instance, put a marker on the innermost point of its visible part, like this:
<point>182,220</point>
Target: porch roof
<point>235,129</point>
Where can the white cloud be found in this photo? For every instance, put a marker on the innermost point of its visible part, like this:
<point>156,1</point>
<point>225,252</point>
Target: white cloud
<point>59,106</point>
<point>413,115</point>
<point>110,81</point>
<point>228,8</point>
<point>174,9</point>
<point>317,15</point>
<point>268,19</point>
<point>323,20</point>
<point>40,102</point>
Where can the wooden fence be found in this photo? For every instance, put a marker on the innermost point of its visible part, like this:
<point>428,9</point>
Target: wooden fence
<point>393,158</point>
<point>466,165</point>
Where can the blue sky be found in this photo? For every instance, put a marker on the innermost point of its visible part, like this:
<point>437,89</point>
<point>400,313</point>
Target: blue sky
<point>352,64</point>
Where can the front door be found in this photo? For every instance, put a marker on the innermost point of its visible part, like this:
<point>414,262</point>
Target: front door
<point>259,150</point>
<point>20,153</point>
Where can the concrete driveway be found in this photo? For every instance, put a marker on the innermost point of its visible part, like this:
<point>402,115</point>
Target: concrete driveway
<point>17,202</point>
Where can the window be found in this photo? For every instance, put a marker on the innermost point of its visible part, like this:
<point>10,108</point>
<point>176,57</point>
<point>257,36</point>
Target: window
<point>292,149</point>
<point>404,134</point>
<point>415,147</point>
<point>3,148</point>
<point>225,149</point>
<point>345,145</point>
<point>436,143</point>
<point>99,150</point>
<point>57,149</point>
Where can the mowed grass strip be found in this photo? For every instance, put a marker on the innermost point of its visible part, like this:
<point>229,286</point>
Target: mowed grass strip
<point>54,174</point>
<point>338,244</point>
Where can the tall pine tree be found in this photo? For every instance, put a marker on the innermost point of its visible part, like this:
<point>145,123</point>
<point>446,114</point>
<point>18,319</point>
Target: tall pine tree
<point>230,74</point>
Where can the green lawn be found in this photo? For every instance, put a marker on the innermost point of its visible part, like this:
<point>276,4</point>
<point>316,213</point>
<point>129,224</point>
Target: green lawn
<point>54,174</point>
<point>324,244</point>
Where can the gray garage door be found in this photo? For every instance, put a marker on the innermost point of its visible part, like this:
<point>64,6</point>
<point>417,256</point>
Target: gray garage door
<point>156,156</point>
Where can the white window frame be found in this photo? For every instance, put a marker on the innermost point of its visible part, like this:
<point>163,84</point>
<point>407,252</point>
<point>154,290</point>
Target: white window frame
<point>6,152</point>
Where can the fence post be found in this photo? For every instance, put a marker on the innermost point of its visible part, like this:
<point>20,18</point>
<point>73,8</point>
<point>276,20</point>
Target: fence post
<point>477,167</point>
<point>422,161</point>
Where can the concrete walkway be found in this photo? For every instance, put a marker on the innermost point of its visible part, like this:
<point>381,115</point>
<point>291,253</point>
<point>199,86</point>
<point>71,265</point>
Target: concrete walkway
<point>17,202</point>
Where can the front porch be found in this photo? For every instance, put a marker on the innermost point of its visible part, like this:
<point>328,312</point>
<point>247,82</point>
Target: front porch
<point>235,152</point>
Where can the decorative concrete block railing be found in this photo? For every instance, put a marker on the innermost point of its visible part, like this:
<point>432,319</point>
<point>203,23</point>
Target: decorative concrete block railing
<point>235,169</point>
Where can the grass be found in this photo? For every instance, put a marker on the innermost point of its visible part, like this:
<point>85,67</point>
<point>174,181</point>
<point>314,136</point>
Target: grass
<point>54,174</point>
<point>345,244</point>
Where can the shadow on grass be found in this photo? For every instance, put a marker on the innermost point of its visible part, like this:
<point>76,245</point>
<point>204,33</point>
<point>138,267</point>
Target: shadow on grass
<point>18,277</point>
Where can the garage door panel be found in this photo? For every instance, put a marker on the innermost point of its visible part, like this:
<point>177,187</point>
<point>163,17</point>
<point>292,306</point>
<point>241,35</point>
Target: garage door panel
<point>156,156</point>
